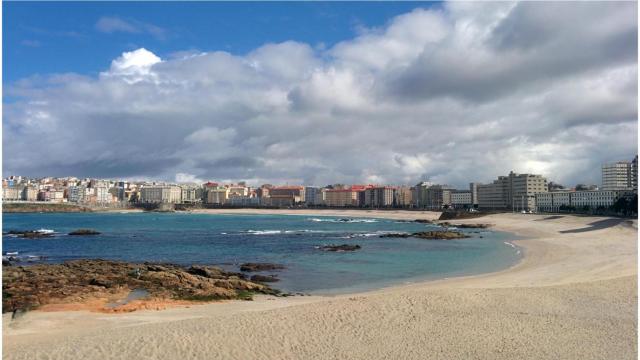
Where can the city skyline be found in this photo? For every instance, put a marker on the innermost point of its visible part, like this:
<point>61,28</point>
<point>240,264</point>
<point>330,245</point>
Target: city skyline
<point>448,92</point>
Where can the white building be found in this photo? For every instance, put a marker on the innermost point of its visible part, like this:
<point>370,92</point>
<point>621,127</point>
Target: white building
<point>11,194</point>
<point>461,198</point>
<point>552,201</point>
<point>161,194</point>
<point>617,175</point>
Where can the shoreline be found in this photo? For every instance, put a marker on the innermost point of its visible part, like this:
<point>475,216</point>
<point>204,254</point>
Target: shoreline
<point>575,285</point>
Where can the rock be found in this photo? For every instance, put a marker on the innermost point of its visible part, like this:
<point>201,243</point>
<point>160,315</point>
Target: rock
<point>465,226</point>
<point>26,287</point>
<point>396,235</point>
<point>430,235</point>
<point>264,278</point>
<point>440,235</point>
<point>423,221</point>
<point>253,267</point>
<point>84,232</point>
<point>343,247</point>
<point>30,234</point>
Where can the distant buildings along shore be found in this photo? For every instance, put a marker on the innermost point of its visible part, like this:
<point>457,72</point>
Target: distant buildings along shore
<point>512,192</point>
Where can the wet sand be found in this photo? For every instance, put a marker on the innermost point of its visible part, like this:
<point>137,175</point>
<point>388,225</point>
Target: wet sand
<point>573,296</point>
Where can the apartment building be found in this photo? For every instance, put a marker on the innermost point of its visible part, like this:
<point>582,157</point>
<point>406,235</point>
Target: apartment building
<point>378,196</point>
<point>341,197</point>
<point>216,195</point>
<point>434,197</point>
<point>514,191</point>
<point>161,194</point>
<point>461,198</point>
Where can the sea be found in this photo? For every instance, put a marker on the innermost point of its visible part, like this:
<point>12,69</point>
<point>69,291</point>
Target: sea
<point>291,240</point>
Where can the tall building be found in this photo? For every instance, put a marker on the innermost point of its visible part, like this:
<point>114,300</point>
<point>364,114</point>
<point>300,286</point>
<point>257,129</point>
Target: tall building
<point>434,197</point>
<point>620,175</point>
<point>514,191</point>
<point>379,196</point>
<point>311,194</point>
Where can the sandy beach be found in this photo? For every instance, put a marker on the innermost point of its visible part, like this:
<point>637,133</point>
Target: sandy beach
<point>573,296</point>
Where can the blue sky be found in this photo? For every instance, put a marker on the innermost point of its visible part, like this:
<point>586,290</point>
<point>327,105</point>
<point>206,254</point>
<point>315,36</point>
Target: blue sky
<point>44,38</point>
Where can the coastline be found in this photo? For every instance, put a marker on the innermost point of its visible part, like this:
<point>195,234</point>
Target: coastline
<point>575,286</point>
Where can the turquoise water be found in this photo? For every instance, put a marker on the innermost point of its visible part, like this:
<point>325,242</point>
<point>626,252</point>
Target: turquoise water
<point>229,240</point>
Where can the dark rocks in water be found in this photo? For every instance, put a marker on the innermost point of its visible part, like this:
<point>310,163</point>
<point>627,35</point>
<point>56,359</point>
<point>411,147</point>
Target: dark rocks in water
<point>345,220</point>
<point>396,235</point>
<point>343,247</point>
<point>253,267</point>
<point>440,235</point>
<point>465,226</point>
<point>30,234</point>
<point>84,232</point>
<point>264,278</point>
<point>27,287</point>
<point>423,221</point>
<point>429,235</point>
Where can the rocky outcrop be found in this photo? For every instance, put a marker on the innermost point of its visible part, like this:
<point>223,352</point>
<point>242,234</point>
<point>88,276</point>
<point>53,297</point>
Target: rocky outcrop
<point>30,234</point>
<point>253,267</point>
<point>343,247</point>
<point>465,226</point>
<point>424,221</point>
<point>84,232</point>
<point>264,278</point>
<point>27,287</point>
<point>429,235</point>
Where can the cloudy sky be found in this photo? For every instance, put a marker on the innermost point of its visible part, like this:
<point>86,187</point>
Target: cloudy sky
<point>319,94</point>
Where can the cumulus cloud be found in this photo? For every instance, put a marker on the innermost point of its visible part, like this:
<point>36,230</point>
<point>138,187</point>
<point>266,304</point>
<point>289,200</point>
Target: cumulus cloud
<point>462,93</point>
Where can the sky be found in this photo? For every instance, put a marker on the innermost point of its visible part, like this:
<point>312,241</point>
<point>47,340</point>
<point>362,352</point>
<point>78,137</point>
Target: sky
<point>319,93</point>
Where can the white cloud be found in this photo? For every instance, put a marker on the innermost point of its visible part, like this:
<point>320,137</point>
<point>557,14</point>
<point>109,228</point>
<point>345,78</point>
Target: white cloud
<point>114,24</point>
<point>463,93</point>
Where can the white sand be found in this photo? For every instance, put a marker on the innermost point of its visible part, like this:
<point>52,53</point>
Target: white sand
<point>574,296</point>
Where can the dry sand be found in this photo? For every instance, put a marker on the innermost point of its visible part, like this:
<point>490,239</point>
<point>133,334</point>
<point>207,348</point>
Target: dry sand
<point>574,296</point>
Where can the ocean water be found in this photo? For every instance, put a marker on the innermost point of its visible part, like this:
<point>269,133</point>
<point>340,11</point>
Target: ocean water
<point>292,240</point>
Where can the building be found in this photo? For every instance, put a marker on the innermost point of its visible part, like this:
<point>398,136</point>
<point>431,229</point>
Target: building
<point>553,201</point>
<point>461,199</point>
<point>378,196</point>
<point>103,196</point>
<point>216,195</point>
<point>191,194</point>
<point>512,192</point>
<point>341,197</point>
<point>11,194</point>
<point>161,194</point>
<point>287,195</point>
<point>29,194</point>
<point>76,194</point>
<point>434,197</point>
<point>311,195</point>
<point>403,196</point>
<point>587,199</point>
<point>620,175</point>
<point>473,188</point>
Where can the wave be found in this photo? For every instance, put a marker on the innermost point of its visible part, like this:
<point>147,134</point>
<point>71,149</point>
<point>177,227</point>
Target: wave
<point>45,231</point>
<point>344,220</point>
<point>275,232</point>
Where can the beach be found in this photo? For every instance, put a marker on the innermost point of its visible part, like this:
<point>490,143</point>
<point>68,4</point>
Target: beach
<point>573,296</point>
